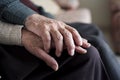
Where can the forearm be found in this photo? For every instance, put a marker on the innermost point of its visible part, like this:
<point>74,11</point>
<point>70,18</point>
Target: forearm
<point>10,34</point>
<point>14,11</point>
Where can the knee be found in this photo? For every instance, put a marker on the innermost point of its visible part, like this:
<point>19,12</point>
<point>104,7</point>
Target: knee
<point>92,54</point>
<point>91,58</point>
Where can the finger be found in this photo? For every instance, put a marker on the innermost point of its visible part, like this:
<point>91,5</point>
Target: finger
<point>76,36</point>
<point>46,38</point>
<point>58,41</point>
<point>68,39</point>
<point>80,50</point>
<point>85,43</point>
<point>50,61</point>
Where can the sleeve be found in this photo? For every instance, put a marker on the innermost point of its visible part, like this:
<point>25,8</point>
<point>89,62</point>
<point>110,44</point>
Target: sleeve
<point>10,34</point>
<point>13,11</point>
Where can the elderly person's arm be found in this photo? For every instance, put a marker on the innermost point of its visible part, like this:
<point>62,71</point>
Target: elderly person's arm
<point>16,35</point>
<point>14,11</point>
<point>40,30</point>
<point>10,34</point>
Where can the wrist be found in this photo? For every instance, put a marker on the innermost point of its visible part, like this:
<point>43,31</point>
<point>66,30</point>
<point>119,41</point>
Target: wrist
<point>33,18</point>
<point>33,21</point>
<point>24,34</point>
<point>10,34</point>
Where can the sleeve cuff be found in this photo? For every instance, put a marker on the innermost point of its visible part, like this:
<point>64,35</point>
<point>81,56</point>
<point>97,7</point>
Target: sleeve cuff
<point>10,34</point>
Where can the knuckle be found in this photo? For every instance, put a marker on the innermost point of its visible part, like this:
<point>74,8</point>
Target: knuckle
<point>59,50</point>
<point>72,47</point>
<point>52,22</point>
<point>47,39</point>
<point>60,37</point>
<point>62,30</point>
<point>68,34</point>
<point>75,33</point>
<point>44,27</point>
<point>61,24</point>
<point>73,30</point>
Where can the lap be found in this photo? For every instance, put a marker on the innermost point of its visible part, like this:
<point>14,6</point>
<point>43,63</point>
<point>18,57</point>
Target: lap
<point>70,67</point>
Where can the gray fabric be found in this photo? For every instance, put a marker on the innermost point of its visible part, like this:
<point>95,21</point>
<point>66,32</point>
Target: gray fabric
<point>14,11</point>
<point>10,34</point>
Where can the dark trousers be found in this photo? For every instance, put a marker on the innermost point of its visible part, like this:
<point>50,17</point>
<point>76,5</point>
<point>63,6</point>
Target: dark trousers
<point>79,67</point>
<point>96,38</point>
<point>17,64</point>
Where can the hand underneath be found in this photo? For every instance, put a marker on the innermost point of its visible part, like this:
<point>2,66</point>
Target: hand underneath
<point>34,45</point>
<point>61,34</point>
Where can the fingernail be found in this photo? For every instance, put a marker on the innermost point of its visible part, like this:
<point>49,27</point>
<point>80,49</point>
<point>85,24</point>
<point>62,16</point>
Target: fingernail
<point>84,51</point>
<point>55,67</point>
<point>58,54</point>
<point>89,44</point>
<point>72,52</point>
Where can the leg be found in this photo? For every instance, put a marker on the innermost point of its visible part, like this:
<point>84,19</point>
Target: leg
<point>78,67</point>
<point>96,38</point>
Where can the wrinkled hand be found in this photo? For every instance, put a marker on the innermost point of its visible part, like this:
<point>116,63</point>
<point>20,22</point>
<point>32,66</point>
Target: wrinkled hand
<point>34,45</point>
<point>59,32</point>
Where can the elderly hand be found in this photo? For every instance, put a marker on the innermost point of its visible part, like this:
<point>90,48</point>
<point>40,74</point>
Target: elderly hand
<point>59,32</point>
<point>34,45</point>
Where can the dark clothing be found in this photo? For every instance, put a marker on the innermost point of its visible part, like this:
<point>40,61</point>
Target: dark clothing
<point>79,67</point>
<point>18,64</point>
<point>36,8</point>
<point>30,5</point>
<point>14,11</point>
<point>94,35</point>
